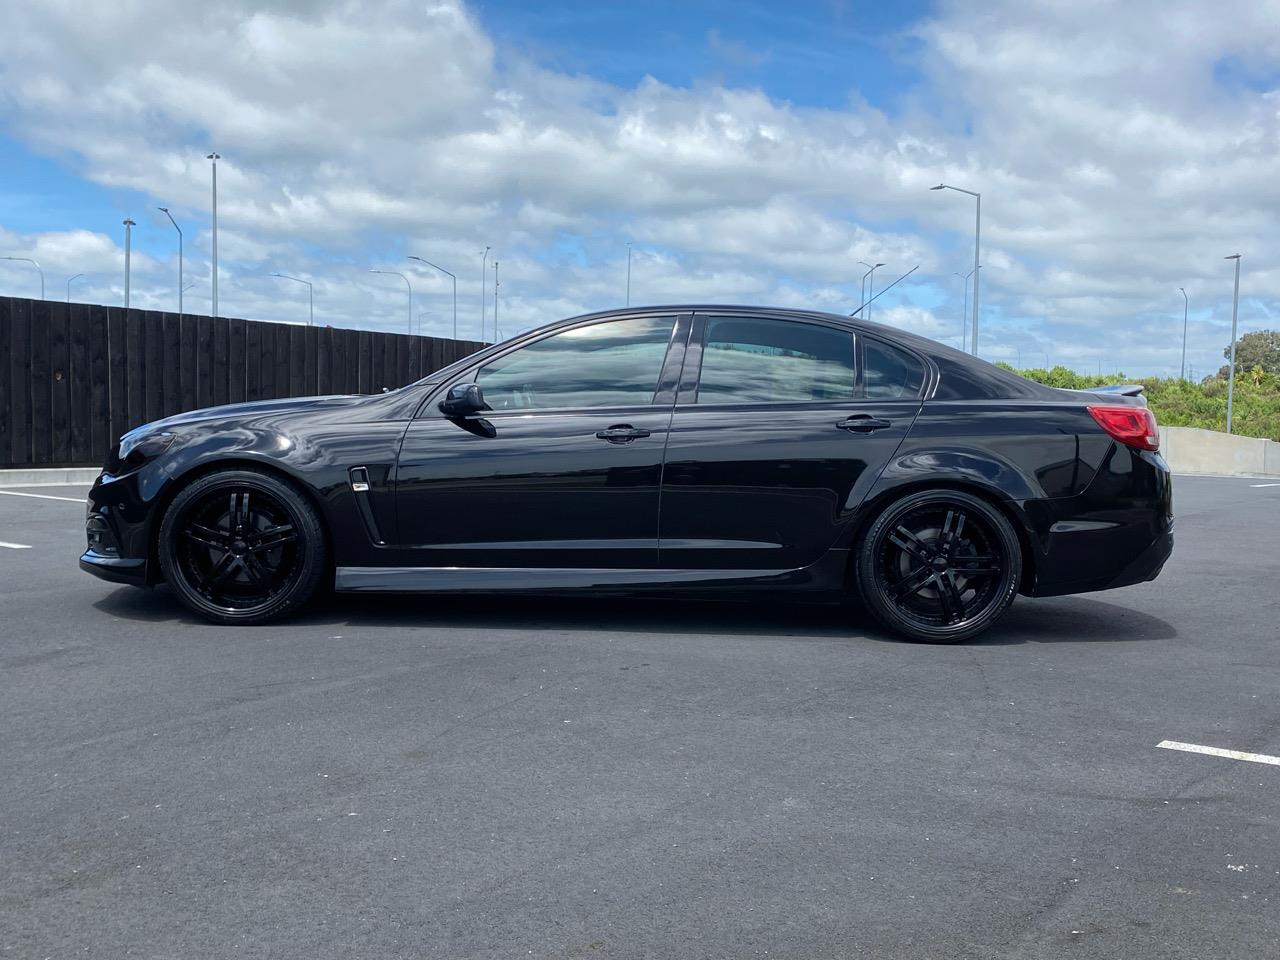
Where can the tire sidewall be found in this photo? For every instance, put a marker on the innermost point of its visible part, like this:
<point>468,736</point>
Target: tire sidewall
<point>310,550</point>
<point>884,611</point>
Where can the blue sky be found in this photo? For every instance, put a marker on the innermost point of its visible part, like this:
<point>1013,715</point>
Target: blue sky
<point>750,152</point>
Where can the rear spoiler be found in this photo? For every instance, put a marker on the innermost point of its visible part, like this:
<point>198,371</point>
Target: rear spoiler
<point>1119,390</point>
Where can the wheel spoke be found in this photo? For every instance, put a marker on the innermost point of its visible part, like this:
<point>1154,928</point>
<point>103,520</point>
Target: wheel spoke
<point>949,594</point>
<point>911,583</point>
<point>975,566</point>
<point>221,570</point>
<point>908,542</point>
<point>256,573</point>
<point>207,536</point>
<point>272,537</point>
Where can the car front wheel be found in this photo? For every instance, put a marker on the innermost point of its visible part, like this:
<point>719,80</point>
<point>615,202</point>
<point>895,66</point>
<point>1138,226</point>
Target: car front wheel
<point>939,566</point>
<point>242,547</point>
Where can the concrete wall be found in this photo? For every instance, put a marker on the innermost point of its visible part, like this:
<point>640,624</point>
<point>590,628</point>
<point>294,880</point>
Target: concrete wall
<point>1191,450</point>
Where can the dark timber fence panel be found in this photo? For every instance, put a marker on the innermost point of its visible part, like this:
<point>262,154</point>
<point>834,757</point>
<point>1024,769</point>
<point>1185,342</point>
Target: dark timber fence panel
<point>74,377</point>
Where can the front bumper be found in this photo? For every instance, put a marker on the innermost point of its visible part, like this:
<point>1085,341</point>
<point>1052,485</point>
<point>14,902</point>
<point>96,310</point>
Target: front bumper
<point>115,569</point>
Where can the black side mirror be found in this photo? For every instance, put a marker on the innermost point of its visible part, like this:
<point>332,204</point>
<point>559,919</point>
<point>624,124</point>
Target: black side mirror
<point>463,399</point>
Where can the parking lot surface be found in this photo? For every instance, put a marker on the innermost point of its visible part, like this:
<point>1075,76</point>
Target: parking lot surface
<point>484,777</point>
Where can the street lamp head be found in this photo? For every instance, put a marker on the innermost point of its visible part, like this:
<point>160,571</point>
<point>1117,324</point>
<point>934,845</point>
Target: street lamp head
<point>129,223</point>
<point>214,156</point>
<point>163,209</point>
<point>879,264</point>
<point>941,186</point>
<point>1234,256</point>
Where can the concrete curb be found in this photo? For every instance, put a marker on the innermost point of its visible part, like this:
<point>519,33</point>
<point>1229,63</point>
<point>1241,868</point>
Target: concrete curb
<point>1194,451</point>
<point>49,477</point>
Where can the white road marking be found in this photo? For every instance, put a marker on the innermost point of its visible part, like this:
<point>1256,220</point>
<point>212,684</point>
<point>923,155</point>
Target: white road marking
<point>42,496</point>
<point>1264,484</point>
<point>15,546</point>
<point>1219,752</point>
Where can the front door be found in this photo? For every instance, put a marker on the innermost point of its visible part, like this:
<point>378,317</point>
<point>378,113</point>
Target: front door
<point>565,467</point>
<point>778,433</point>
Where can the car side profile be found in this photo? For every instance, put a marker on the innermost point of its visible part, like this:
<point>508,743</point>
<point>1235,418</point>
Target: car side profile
<point>707,449</point>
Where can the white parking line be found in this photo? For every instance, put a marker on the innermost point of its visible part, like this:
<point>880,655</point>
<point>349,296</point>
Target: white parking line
<point>15,546</point>
<point>1264,484</point>
<point>1219,752</point>
<point>41,496</point>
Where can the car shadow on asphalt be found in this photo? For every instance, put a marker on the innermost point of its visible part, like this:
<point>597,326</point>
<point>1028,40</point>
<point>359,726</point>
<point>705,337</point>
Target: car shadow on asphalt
<point>1056,620</point>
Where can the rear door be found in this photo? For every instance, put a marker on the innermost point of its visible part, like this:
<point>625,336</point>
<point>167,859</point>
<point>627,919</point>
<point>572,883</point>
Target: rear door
<point>781,425</point>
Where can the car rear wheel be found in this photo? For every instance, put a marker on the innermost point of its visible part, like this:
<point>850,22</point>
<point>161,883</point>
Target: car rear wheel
<point>242,547</point>
<point>939,566</point>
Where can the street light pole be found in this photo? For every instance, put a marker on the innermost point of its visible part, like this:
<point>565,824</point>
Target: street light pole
<point>393,273</point>
<point>128,230</point>
<point>484,277</point>
<point>179,229</point>
<point>215,158</point>
<point>69,279</point>
<point>311,300</point>
<point>628,273</point>
<point>977,244</point>
<point>455,289</point>
<point>1182,373</point>
<point>34,264</point>
<point>495,301</point>
<point>865,291</point>
<point>1235,304</point>
<point>964,324</point>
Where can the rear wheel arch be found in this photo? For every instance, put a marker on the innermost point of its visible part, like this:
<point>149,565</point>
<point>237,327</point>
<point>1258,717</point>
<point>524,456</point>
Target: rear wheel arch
<point>876,504</point>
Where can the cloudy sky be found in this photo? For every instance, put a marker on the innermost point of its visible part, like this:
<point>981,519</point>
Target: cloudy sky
<point>751,152</point>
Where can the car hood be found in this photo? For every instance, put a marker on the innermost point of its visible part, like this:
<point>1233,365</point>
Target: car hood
<point>256,408</point>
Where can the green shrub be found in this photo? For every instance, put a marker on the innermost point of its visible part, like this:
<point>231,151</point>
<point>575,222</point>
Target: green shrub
<point>1179,403</point>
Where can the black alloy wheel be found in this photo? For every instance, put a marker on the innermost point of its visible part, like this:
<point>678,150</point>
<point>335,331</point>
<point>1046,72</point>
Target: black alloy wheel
<point>939,566</point>
<point>242,546</point>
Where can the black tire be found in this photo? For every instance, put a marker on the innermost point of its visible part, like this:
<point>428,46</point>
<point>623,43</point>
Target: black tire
<point>938,566</point>
<point>242,547</point>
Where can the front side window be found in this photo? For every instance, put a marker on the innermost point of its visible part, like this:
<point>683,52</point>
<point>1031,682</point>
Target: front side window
<point>758,360</point>
<point>612,364</point>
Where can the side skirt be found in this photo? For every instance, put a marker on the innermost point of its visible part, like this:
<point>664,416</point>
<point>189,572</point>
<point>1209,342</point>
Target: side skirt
<point>825,575</point>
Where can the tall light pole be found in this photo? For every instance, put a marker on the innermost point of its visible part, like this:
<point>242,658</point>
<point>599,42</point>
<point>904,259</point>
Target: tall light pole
<point>628,273</point>
<point>393,273</point>
<point>311,300</point>
<point>874,268</point>
<point>495,301</point>
<point>977,243</point>
<point>1182,372</point>
<point>128,230</point>
<point>484,279</point>
<point>964,324</point>
<point>166,212</point>
<point>1235,304</point>
<point>69,279</point>
<point>34,264</point>
<point>455,289</point>
<point>215,158</point>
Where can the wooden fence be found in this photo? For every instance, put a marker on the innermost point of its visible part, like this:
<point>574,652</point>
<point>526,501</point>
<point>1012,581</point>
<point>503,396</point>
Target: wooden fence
<point>74,377</point>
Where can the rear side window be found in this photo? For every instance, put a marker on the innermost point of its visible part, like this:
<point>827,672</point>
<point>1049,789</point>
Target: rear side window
<point>758,360</point>
<point>890,374</point>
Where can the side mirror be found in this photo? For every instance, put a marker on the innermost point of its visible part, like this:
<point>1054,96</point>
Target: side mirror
<point>463,399</point>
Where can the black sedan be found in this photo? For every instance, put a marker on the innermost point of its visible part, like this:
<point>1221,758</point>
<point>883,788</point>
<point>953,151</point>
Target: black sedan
<point>703,449</point>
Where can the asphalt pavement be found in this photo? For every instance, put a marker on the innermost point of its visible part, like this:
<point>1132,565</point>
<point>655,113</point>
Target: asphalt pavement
<point>503,778</point>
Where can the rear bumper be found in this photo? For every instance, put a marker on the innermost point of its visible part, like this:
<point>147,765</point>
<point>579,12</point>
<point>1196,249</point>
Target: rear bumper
<point>1118,532</point>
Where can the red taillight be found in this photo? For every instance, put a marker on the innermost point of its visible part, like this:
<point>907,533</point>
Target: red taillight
<point>1134,426</point>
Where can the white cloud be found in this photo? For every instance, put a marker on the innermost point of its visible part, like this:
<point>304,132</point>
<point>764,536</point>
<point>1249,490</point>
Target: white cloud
<point>1114,162</point>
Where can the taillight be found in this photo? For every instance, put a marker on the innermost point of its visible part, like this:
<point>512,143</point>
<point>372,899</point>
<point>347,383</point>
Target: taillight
<point>1133,426</point>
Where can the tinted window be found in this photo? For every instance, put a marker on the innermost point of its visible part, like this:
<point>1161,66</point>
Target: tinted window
<point>890,373</point>
<point>603,365</point>
<point>752,360</point>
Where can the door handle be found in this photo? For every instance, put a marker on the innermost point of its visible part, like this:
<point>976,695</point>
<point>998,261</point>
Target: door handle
<point>863,423</point>
<point>622,433</point>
